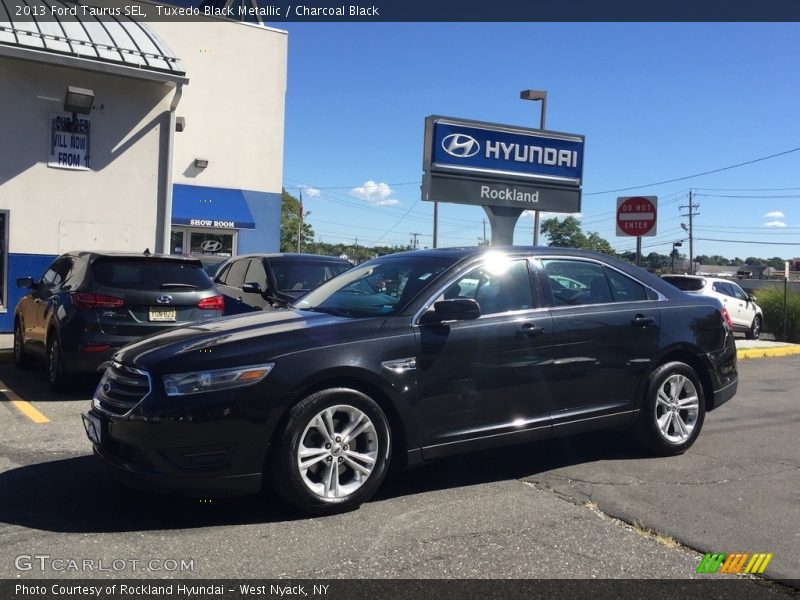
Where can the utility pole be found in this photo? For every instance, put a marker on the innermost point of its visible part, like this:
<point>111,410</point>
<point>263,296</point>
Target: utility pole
<point>690,214</point>
<point>300,223</point>
<point>484,232</point>
<point>414,237</point>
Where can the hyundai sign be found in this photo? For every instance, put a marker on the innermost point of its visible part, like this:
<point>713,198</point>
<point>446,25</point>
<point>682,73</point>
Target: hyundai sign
<point>471,162</point>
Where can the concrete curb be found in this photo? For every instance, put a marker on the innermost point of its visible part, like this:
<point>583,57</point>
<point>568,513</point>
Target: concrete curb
<point>747,353</point>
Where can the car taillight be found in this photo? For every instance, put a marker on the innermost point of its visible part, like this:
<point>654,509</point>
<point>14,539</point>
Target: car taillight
<point>212,303</point>
<point>727,317</point>
<point>85,300</point>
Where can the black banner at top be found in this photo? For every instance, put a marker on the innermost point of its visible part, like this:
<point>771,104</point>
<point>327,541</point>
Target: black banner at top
<point>275,12</point>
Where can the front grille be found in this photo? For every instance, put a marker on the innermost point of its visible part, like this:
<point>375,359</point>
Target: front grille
<point>121,388</point>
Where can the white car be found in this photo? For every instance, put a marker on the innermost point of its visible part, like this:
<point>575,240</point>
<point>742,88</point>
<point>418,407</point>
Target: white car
<point>745,314</point>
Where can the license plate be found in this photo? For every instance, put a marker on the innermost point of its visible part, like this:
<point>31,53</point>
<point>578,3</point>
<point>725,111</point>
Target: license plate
<point>93,428</point>
<point>162,314</point>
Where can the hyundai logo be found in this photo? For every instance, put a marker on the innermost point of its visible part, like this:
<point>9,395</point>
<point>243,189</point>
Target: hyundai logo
<point>460,145</point>
<point>210,246</point>
<point>165,299</point>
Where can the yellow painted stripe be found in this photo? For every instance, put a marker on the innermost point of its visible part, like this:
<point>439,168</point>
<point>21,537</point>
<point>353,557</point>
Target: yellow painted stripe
<point>27,409</point>
<point>744,353</point>
<point>764,564</point>
<point>23,406</point>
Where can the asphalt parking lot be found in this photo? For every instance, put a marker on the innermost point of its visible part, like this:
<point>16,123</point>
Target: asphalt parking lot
<point>589,506</point>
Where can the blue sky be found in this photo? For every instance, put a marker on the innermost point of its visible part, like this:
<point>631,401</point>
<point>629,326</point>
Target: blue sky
<point>655,102</point>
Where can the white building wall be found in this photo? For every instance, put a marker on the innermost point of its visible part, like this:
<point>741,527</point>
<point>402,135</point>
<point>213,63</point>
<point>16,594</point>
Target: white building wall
<point>233,105</point>
<point>111,207</point>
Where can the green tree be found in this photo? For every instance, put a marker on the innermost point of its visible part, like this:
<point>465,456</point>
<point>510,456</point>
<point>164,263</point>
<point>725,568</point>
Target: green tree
<point>290,216</point>
<point>776,263</point>
<point>568,234</point>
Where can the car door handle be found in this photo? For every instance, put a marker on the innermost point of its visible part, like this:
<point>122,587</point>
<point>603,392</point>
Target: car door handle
<point>528,330</point>
<point>642,321</point>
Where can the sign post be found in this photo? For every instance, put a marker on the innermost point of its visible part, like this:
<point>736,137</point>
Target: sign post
<point>636,216</point>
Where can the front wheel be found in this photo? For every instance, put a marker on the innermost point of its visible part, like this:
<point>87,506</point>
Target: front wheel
<point>333,453</point>
<point>673,411</point>
<point>755,329</point>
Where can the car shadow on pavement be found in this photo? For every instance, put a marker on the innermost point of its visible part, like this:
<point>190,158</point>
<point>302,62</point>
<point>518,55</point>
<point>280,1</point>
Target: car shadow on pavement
<point>31,384</point>
<point>80,495</point>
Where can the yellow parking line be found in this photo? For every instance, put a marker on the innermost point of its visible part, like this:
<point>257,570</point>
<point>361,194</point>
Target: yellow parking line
<point>25,407</point>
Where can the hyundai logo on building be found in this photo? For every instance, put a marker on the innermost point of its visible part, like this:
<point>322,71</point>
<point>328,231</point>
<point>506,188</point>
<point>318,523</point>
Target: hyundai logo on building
<point>461,145</point>
<point>165,299</point>
<point>211,246</point>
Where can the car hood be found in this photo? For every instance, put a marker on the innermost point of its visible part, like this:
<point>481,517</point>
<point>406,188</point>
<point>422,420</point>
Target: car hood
<point>242,339</point>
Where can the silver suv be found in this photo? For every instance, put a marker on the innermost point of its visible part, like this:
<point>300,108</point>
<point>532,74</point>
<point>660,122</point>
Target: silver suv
<point>745,314</point>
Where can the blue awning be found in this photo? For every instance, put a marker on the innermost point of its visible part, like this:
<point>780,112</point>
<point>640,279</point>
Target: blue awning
<point>217,208</point>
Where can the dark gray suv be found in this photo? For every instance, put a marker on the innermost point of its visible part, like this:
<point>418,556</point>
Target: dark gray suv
<point>87,305</point>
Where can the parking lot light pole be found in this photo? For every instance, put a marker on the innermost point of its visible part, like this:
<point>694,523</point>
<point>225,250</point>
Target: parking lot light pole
<point>536,95</point>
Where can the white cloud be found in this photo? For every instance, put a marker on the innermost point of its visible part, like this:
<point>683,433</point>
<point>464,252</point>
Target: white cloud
<point>548,215</point>
<point>775,224</point>
<point>310,192</point>
<point>775,214</point>
<point>377,194</point>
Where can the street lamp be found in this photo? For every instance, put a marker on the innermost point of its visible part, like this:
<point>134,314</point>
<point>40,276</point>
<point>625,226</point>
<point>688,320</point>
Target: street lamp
<point>536,95</point>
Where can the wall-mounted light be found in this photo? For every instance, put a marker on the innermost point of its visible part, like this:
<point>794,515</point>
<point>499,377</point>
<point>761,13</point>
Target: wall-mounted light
<point>200,163</point>
<point>78,100</point>
<point>180,124</point>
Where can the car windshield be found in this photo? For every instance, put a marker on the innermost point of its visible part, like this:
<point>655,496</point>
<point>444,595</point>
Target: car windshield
<point>383,286</point>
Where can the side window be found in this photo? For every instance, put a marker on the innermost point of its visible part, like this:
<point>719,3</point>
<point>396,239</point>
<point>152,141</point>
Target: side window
<point>738,292</point>
<point>235,275</point>
<point>256,274</point>
<point>721,288</point>
<point>57,273</point>
<point>220,278</point>
<point>496,289</point>
<point>576,282</point>
<point>624,288</point>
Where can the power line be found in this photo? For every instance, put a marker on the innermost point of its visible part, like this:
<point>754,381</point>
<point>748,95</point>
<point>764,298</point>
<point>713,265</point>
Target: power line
<point>751,242</point>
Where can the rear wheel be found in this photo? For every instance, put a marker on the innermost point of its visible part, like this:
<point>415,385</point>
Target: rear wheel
<point>333,453</point>
<point>673,411</point>
<point>56,374</point>
<point>755,329</point>
<point>21,358</point>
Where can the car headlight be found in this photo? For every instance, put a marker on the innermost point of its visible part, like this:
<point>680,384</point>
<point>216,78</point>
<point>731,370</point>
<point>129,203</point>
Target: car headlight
<point>196,382</point>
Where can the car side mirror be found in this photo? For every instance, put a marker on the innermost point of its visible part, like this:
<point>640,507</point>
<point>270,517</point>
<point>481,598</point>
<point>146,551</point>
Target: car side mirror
<point>26,283</point>
<point>251,288</point>
<point>456,309</point>
<point>751,298</point>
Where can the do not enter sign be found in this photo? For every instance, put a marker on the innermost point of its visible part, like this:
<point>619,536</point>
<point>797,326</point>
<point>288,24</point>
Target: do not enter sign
<point>636,215</point>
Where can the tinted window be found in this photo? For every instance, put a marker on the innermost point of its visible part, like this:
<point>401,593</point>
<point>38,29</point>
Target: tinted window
<point>575,282</point>
<point>235,275</point>
<point>496,288</point>
<point>149,274</point>
<point>223,273</point>
<point>624,288</point>
<point>722,288</point>
<point>304,276</point>
<point>57,273</point>
<point>738,292</point>
<point>256,274</point>
<point>687,284</point>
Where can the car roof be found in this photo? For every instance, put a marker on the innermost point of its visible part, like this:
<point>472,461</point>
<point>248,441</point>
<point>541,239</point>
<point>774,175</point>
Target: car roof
<point>291,256</point>
<point>94,255</point>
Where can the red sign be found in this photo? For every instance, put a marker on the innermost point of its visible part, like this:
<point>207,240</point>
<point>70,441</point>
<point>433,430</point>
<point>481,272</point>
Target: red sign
<point>636,215</point>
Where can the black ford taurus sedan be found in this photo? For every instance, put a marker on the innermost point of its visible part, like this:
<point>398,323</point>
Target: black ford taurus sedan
<point>411,357</point>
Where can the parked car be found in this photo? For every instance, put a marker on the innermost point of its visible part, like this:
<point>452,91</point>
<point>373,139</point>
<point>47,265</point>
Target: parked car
<point>211,263</point>
<point>87,305</point>
<point>468,349</point>
<point>746,315</point>
<point>264,281</point>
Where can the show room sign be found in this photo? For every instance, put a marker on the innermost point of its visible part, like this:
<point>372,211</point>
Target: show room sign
<point>69,142</point>
<point>472,162</point>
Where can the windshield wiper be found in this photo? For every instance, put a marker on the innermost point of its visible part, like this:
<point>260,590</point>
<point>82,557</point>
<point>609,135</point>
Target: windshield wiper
<point>327,310</point>
<point>187,286</point>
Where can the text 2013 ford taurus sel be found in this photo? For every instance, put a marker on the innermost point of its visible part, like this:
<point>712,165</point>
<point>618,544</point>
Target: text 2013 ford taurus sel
<point>411,357</point>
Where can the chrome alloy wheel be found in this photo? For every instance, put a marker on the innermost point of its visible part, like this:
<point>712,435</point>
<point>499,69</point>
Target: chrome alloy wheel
<point>677,408</point>
<point>337,451</point>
